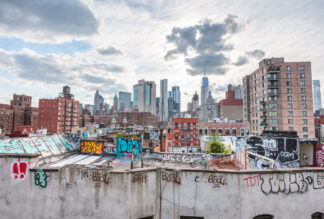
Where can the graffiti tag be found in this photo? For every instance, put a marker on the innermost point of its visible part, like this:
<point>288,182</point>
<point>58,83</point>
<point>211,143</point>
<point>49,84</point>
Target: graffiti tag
<point>19,170</point>
<point>171,177</point>
<point>41,178</point>
<point>252,181</point>
<point>217,180</point>
<point>100,178</point>
<point>139,178</point>
<point>93,147</point>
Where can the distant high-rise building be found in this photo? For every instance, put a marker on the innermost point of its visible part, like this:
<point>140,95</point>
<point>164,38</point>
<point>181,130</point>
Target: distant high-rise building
<point>145,96</point>
<point>124,101</point>
<point>317,95</point>
<point>98,103</point>
<point>115,103</point>
<point>164,100</point>
<point>176,98</point>
<point>21,100</point>
<point>170,106</point>
<point>90,108</point>
<point>278,96</point>
<point>208,111</point>
<point>195,102</point>
<point>204,90</point>
<point>157,106</point>
<point>59,115</point>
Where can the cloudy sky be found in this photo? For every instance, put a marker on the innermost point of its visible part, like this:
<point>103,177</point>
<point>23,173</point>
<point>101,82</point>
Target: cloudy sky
<point>111,44</point>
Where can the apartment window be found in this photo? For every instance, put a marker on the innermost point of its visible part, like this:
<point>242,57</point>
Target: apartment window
<point>290,106</point>
<point>188,136</point>
<point>194,136</point>
<point>273,105</point>
<point>188,125</point>
<point>213,131</point>
<point>200,131</point>
<point>290,121</point>
<point>176,136</point>
<point>289,98</point>
<point>176,125</point>
<point>302,75</point>
<point>304,114</point>
<point>288,75</point>
<point>305,129</point>
<point>194,125</point>
<point>226,131</point>
<point>205,131</point>
<point>182,137</point>
<point>220,131</point>
<point>290,113</point>
<point>182,125</point>
<point>303,90</point>
<point>302,83</point>
<point>289,91</point>
<point>305,136</point>
<point>304,106</point>
<point>288,83</point>
<point>303,98</point>
<point>301,68</point>
<point>291,128</point>
<point>273,121</point>
<point>288,68</point>
<point>242,132</point>
<point>273,113</point>
<point>304,121</point>
<point>272,98</point>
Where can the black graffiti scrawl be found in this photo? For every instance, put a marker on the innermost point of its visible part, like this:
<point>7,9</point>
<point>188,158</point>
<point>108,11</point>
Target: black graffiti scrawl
<point>283,150</point>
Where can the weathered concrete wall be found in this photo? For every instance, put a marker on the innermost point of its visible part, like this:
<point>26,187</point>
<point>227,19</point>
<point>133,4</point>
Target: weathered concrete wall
<point>164,193</point>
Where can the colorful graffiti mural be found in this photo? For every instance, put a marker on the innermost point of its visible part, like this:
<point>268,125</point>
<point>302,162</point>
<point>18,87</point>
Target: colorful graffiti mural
<point>320,155</point>
<point>125,145</point>
<point>44,145</point>
<point>92,147</point>
<point>19,170</point>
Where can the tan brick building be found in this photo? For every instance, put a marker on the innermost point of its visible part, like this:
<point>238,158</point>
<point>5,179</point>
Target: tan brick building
<point>231,108</point>
<point>278,96</point>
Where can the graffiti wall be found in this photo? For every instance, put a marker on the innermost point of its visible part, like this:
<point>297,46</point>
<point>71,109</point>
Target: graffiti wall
<point>44,145</point>
<point>320,155</point>
<point>283,152</point>
<point>92,147</point>
<point>126,144</point>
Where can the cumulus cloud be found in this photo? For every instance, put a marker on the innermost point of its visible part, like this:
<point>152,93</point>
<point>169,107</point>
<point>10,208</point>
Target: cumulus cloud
<point>207,39</point>
<point>259,54</point>
<point>242,60</point>
<point>47,20</point>
<point>109,51</point>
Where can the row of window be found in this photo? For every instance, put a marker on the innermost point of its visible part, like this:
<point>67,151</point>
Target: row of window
<point>288,83</point>
<point>188,136</point>
<point>301,68</point>
<point>176,125</point>
<point>303,98</point>
<point>302,90</point>
<point>227,131</point>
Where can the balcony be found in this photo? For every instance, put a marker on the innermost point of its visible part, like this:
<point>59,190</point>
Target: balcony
<point>273,85</point>
<point>273,69</point>
<point>262,102</point>
<point>263,109</point>
<point>263,117</point>
<point>274,93</point>
<point>273,78</point>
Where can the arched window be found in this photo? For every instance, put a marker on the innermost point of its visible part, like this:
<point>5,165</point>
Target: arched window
<point>318,215</point>
<point>263,216</point>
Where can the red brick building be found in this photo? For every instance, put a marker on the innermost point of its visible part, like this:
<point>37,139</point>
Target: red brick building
<point>230,107</point>
<point>58,115</point>
<point>224,128</point>
<point>18,113</point>
<point>185,132</point>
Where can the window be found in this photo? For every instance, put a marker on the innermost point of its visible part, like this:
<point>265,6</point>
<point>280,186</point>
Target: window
<point>234,132</point>
<point>290,121</point>
<point>302,83</point>
<point>194,125</point>
<point>305,129</point>
<point>176,136</point>
<point>289,98</point>
<point>242,132</point>
<point>304,106</point>
<point>289,91</point>
<point>176,125</point>
<point>220,131</point>
<point>288,68</point>
<point>200,131</point>
<point>304,121</point>
<point>194,136</point>
<point>273,113</point>
<point>182,125</point>
<point>188,136</point>
<point>303,98</point>
<point>273,105</point>
<point>291,128</point>
<point>182,137</point>
<point>226,131</point>
<point>205,131</point>
<point>290,113</point>
<point>288,83</point>
<point>304,114</point>
<point>263,216</point>
<point>273,121</point>
<point>301,68</point>
<point>288,75</point>
<point>305,136</point>
<point>302,75</point>
<point>303,90</point>
<point>188,125</point>
<point>213,131</point>
<point>290,106</point>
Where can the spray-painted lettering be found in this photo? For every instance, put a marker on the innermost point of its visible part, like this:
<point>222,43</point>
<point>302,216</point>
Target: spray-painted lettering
<point>171,177</point>
<point>92,147</point>
<point>19,170</point>
<point>41,178</point>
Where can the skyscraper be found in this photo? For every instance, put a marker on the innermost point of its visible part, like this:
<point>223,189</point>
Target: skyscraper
<point>317,95</point>
<point>170,106</point>
<point>124,101</point>
<point>164,100</point>
<point>115,103</point>
<point>278,96</point>
<point>176,99</point>
<point>204,90</point>
<point>195,102</point>
<point>145,96</point>
<point>98,103</point>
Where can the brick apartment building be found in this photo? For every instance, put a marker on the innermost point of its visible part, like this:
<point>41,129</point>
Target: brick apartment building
<point>278,96</point>
<point>222,128</point>
<point>18,113</point>
<point>230,107</point>
<point>59,115</point>
<point>185,132</point>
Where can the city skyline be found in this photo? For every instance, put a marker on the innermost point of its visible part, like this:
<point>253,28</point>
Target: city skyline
<point>168,44</point>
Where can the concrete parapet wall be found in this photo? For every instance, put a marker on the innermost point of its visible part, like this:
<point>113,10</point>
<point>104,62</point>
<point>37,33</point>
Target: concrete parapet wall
<point>162,193</point>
